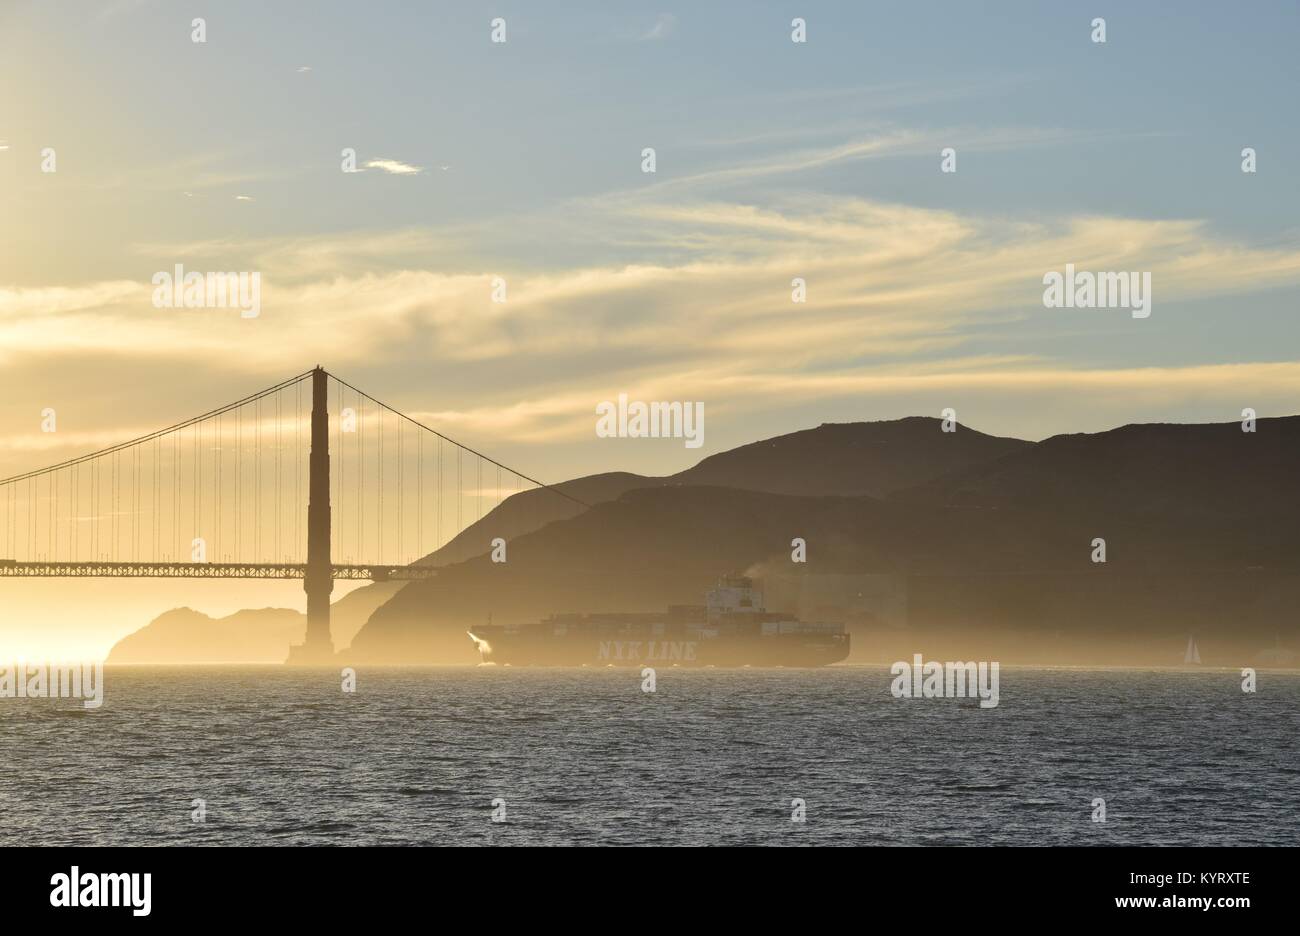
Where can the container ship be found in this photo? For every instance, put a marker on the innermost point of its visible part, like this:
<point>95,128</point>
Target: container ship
<point>730,629</point>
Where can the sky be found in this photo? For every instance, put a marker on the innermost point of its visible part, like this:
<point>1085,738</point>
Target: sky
<point>523,160</point>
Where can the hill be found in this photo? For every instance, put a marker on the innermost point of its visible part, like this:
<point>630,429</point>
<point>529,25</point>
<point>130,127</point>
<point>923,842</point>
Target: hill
<point>992,555</point>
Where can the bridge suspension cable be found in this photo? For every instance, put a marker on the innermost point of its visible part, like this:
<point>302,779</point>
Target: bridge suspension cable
<point>229,488</point>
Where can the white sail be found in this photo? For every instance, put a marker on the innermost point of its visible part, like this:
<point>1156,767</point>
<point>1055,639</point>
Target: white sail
<point>1193,655</point>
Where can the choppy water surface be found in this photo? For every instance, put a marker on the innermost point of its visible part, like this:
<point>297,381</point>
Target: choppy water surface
<point>418,754</point>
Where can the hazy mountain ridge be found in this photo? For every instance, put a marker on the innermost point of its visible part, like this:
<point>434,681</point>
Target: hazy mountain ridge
<point>833,459</point>
<point>1198,523</point>
<point>184,635</point>
<point>1145,469</point>
<point>532,509</point>
<point>851,459</point>
<point>843,459</point>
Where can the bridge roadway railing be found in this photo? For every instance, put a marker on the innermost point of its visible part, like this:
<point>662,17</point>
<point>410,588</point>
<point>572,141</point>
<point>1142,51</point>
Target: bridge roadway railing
<point>247,570</point>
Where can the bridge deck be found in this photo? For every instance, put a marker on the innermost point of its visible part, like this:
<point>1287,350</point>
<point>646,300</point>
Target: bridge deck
<point>378,573</point>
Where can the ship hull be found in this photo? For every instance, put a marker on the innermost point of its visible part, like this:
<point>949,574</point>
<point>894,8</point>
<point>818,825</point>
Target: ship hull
<point>794,650</point>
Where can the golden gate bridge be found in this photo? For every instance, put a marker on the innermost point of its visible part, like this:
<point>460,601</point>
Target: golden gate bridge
<point>277,485</point>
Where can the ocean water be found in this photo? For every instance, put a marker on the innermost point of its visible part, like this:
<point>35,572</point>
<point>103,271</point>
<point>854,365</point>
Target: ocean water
<point>417,755</point>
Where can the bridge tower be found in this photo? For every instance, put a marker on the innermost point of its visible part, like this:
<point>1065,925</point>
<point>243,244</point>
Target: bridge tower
<point>318,580</point>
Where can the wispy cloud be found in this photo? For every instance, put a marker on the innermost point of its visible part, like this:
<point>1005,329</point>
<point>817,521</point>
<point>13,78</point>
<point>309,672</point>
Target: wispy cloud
<point>663,27</point>
<point>394,167</point>
<point>905,288</point>
<point>882,143</point>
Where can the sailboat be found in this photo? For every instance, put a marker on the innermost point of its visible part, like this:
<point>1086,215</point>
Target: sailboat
<point>1193,655</point>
